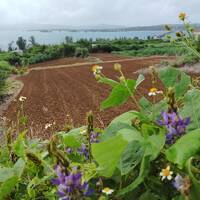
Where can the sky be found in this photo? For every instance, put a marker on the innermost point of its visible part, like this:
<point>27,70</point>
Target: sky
<point>95,12</point>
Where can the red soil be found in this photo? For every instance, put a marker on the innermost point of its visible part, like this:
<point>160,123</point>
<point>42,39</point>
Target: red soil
<point>61,61</point>
<point>54,93</point>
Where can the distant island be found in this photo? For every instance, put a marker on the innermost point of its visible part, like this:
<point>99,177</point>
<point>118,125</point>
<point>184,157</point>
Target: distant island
<point>175,27</point>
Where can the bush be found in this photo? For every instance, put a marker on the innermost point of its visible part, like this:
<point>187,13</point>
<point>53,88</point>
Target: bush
<point>5,70</point>
<point>81,52</point>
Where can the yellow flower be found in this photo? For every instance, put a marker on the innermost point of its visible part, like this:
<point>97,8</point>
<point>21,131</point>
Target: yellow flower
<point>154,92</point>
<point>21,98</point>
<point>166,173</point>
<point>97,69</point>
<point>182,16</point>
<point>107,191</point>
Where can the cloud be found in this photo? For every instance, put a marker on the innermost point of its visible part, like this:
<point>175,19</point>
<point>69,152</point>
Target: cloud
<point>91,12</point>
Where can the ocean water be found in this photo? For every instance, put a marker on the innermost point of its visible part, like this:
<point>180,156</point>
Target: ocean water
<point>56,37</point>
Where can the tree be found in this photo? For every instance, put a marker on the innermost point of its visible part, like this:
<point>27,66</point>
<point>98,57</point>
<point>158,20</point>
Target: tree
<point>32,41</point>
<point>10,46</point>
<point>68,40</point>
<point>21,43</point>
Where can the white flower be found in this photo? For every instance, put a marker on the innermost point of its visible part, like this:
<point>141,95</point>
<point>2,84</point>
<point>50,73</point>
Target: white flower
<point>154,92</point>
<point>166,173</point>
<point>83,132</point>
<point>97,69</point>
<point>107,191</point>
<point>22,98</point>
<point>48,125</point>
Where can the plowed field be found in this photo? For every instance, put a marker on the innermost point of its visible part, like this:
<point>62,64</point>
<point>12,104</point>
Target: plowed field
<point>52,94</point>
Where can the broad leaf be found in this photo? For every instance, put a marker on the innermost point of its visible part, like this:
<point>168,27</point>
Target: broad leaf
<point>108,81</point>
<point>149,196</point>
<point>153,111</point>
<point>119,95</point>
<point>151,144</point>
<point>6,173</point>
<point>108,153</point>
<point>139,80</point>
<point>186,147</point>
<point>131,157</point>
<point>191,108</point>
<point>73,138</point>
<point>19,146</point>
<point>19,167</point>
<point>172,77</point>
<point>195,188</point>
<point>144,169</point>
<point>7,187</point>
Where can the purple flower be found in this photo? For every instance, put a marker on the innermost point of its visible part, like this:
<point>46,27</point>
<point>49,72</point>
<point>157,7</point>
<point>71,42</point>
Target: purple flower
<point>94,137</point>
<point>175,125</point>
<point>69,184</point>
<point>69,150</point>
<point>179,182</point>
<point>84,151</point>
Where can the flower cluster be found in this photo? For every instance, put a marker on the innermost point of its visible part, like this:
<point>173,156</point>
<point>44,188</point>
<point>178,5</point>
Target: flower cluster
<point>176,126</point>
<point>94,137</point>
<point>83,150</point>
<point>70,185</point>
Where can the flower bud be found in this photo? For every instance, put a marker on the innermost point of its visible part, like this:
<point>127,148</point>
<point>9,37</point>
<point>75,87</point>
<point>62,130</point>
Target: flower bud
<point>182,16</point>
<point>117,67</point>
<point>122,78</point>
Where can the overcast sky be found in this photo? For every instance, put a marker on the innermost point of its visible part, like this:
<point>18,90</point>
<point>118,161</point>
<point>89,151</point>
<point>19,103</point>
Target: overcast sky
<point>94,12</point>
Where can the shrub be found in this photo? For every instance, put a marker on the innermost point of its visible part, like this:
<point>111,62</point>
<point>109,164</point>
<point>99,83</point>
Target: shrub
<point>5,70</point>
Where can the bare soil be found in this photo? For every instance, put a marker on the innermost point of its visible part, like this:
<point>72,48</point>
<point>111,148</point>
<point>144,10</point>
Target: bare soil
<point>52,94</point>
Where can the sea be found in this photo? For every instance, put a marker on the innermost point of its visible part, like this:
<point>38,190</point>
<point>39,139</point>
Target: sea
<point>57,37</point>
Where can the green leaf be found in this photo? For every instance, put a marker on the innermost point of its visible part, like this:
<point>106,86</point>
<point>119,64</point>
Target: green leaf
<point>119,95</point>
<point>144,169</point>
<point>186,147</point>
<point>19,167</point>
<point>131,157</point>
<point>108,153</point>
<point>191,108</point>
<point>195,188</point>
<point>19,146</point>
<point>123,121</point>
<point>172,77</point>
<point>149,196</point>
<point>6,173</point>
<point>72,138</point>
<point>126,118</point>
<point>7,187</point>
<point>108,81</point>
<point>153,111</point>
<point>154,139</point>
<point>152,143</point>
<point>113,129</point>
<point>139,80</point>
<point>89,171</point>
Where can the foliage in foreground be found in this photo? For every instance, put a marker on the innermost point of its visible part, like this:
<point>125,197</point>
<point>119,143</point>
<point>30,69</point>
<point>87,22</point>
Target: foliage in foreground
<point>151,153</point>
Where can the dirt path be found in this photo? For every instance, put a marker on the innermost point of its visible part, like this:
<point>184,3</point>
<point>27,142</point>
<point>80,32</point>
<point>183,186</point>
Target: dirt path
<point>97,62</point>
<point>55,92</point>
